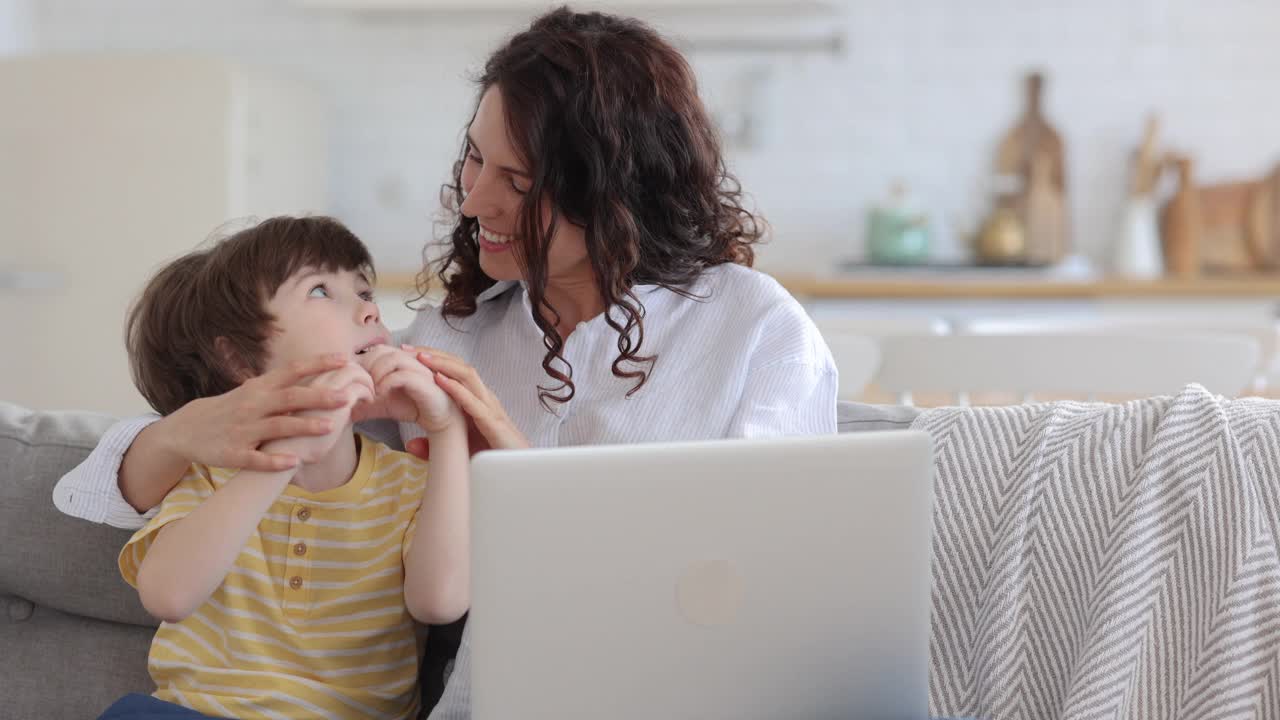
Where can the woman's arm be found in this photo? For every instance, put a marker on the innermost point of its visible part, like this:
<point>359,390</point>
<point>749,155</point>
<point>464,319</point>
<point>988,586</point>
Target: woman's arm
<point>151,466</point>
<point>791,383</point>
<point>90,491</point>
<point>189,558</point>
<point>787,398</point>
<point>138,461</point>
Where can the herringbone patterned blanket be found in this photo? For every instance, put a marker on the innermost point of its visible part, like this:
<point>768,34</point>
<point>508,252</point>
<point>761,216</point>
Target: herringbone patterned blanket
<point>1107,560</point>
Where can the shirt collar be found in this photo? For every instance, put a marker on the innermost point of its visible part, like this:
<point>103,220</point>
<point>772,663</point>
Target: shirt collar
<point>498,288</point>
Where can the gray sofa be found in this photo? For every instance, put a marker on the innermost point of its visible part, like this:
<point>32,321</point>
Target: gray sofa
<point>73,635</point>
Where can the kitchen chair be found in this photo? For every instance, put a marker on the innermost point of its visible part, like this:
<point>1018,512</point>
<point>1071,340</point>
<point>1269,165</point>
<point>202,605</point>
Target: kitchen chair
<point>854,345</point>
<point>857,358</point>
<point>1082,366</point>
<point>1265,331</point>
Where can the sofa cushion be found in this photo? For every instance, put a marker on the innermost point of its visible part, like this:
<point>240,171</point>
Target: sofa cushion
<point>862,417</point>
<point>45,556</point>
<point>55,665</point>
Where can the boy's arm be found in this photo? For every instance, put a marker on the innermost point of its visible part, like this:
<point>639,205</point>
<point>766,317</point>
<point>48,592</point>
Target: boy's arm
<point>437,554</point>
<point>137,462</point>
<point>189,558</point>
<point>437,584</point>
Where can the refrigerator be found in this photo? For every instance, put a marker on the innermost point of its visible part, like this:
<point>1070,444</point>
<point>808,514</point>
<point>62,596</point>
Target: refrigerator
<point>112,164</point>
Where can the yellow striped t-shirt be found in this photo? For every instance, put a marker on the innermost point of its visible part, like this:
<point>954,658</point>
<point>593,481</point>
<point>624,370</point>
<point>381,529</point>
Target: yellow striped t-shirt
<point>310,621</point>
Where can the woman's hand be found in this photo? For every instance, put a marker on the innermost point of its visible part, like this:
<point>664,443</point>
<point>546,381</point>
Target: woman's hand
<point>226,430</point>
<point>488,423</point>
<point>353,383</point>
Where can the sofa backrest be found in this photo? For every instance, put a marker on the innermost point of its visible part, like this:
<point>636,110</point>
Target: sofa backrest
<point>47,557</point>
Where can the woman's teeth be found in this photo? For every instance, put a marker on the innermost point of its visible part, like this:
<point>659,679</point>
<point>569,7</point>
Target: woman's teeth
<point>494,237</point>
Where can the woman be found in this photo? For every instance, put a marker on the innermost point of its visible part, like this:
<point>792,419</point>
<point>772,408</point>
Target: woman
<point>598,289</point>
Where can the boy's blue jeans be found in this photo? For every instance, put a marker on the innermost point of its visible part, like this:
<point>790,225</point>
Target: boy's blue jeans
<point>144,707</point>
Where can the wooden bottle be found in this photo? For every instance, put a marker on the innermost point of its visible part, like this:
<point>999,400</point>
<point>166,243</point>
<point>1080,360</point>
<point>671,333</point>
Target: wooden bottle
<point>1180,224</point>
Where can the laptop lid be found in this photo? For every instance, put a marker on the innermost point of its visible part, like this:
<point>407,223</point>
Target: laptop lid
<point>770,578</point>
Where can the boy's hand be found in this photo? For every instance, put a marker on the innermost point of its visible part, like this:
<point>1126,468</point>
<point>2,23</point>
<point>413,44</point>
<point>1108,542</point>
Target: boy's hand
<point>406,391</point>
<point>353,383</point>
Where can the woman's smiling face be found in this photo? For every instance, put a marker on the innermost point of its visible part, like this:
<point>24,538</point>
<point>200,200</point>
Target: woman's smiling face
<point>495,182</point>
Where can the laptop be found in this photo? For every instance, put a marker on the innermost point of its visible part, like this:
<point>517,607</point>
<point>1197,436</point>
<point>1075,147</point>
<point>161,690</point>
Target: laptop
<point>772,578</point>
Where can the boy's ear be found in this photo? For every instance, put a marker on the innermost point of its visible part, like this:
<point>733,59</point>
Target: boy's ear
<point>232,360</point>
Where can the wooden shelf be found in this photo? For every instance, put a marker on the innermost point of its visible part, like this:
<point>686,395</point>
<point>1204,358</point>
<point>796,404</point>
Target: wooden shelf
<point>398,281</point>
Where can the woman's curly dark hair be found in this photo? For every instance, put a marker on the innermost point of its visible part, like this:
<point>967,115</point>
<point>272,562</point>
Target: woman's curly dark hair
<point>607,118</point>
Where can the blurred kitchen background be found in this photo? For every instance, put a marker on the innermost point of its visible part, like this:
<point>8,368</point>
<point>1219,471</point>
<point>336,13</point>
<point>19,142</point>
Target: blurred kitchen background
<point>929,168</point>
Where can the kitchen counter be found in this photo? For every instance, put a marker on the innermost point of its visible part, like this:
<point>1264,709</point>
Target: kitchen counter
<point>910,298</point>
<point>986,285</point>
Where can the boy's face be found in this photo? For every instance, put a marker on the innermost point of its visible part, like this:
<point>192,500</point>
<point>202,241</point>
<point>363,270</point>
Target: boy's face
<point>319,312</point>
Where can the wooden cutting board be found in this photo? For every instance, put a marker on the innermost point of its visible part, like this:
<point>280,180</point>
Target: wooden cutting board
<point>1224,243</point>
<point>1030,141</point>
<point>1262,222</point>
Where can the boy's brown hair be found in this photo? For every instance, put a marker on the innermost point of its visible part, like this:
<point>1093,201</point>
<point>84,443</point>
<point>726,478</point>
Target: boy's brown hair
<point>201,325</point>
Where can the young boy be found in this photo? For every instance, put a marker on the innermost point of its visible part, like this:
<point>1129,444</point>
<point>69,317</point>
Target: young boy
<point>292,594</point>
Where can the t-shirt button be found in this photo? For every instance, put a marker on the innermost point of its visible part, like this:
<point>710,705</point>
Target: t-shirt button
<point>304,513</point>
<point>295,582</point>
<point>300,549</point>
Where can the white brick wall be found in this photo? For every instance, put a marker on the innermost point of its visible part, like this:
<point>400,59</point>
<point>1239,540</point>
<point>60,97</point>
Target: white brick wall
<point>922,93</point>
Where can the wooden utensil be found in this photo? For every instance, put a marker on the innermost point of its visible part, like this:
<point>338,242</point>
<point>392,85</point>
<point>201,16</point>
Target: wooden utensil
<point>1146,162</point>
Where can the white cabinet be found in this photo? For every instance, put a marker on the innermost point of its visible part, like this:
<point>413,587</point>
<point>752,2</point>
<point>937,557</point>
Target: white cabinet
<point>111,165</point>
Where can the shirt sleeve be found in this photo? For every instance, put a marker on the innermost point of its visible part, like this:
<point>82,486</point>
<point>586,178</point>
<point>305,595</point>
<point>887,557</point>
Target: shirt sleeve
<point>194,488</point>
<point>787,398</point>
<point>91,491</point>
<point>791,383</point>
